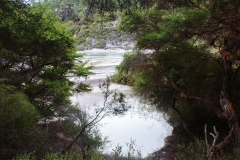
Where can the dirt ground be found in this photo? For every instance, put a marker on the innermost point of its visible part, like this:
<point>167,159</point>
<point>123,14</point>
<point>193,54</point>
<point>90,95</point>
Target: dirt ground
<point>169,151</point>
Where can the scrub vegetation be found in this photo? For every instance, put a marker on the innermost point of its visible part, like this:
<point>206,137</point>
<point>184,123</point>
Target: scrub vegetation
<point>38,60</point>
<point>186,62</point>
<point>192,71</point>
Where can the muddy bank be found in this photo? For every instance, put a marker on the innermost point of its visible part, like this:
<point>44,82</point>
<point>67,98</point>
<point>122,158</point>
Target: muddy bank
<point>170,149</point>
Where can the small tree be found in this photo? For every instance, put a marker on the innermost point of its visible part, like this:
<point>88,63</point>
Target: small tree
<point>114,103</point>
<point>195,60</point>
<point>38,56</point>
<point>18,119</point>
<point>194,63</point>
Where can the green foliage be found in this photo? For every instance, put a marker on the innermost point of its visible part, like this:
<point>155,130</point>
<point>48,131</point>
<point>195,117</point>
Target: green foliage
<point>156,27</point>
<point>122,78</point>
<point>108,5</point>
<point>24,157</point>
<point>191,151</point>
<point>132,21</point>
<point>185,62</point>
<point>38,60</point>
<point>175,52</point>
<point>124,75</point>
<point>197,151</point>
<point>131,153</point>
<point>18,119</point>
<point>143,80</point>
<point>80,123</point>
<point>57,156</point>
<point>67,156</point>
<point>128,58</point>
<point>97,32</point>
<point>73,27</point>
<point>66,9</point>
<point>14,107</point>
<point>43,56</point>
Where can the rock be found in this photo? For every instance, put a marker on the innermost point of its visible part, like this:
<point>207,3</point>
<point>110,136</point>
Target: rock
<point>104,36</point>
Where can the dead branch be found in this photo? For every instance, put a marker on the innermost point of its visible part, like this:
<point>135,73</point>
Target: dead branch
<point>206,140</point>
<point>215,137</point>
<point>216,147</point>
<point>212,150</point>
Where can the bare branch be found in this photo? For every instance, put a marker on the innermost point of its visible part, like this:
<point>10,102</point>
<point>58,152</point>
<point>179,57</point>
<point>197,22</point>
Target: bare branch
<point>196,5</point>
<point>215,137</point>
<point>212,151</point>
<point>206,141</point>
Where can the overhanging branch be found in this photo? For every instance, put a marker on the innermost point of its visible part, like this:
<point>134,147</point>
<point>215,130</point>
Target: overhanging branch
<point>181,93</point>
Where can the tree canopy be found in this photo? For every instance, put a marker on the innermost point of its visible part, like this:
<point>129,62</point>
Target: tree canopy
<point>192,69</point>
<point>194,61</point>
<point>37,61</point>
<point>38,56</point>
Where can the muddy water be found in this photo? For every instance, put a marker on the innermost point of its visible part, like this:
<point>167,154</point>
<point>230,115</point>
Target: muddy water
<point>145,127</point>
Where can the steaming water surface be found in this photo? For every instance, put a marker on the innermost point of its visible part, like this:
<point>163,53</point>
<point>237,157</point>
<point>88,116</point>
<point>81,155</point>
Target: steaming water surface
<point>147,128</point>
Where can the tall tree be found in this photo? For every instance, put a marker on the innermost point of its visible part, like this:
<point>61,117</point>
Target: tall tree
<point>38,56</point>
<point>38,61</point>
<point>66,9</point>
<point>195,59</point>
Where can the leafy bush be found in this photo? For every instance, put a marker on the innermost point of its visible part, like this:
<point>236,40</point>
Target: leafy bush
<point>124,74</point>
<point>18,119</point>
<point>191,151</point>
<point>197,151</point>
<point>132,152</point>
<point>57,156</point>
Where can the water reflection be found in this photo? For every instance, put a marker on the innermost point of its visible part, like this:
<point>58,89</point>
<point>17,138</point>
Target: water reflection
<point>147,127</point>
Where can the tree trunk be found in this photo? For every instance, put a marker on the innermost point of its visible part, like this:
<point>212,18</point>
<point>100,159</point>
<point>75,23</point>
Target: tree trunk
<point>227,107</point>
<point>225,103</point>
